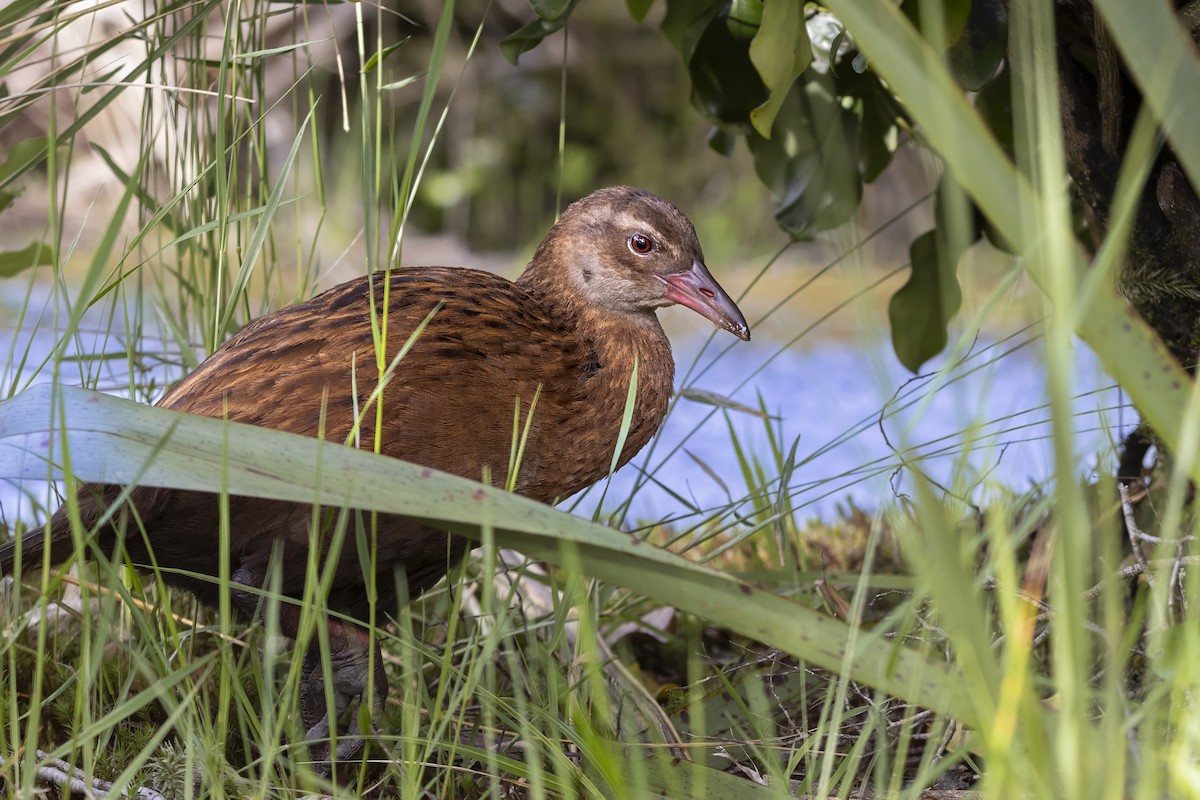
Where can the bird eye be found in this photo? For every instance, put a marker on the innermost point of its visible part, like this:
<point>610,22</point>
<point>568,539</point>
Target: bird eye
<point>641,244</point>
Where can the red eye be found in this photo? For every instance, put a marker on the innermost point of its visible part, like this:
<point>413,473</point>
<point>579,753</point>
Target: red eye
<point>641,244</point>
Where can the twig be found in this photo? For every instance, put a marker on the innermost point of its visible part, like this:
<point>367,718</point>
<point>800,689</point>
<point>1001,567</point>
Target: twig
<point>1134,570</point>
<point>951,729</point>
<point>1135,533</point>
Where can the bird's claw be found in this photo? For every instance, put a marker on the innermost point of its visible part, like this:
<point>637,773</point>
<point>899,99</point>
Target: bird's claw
<point>319,742</point>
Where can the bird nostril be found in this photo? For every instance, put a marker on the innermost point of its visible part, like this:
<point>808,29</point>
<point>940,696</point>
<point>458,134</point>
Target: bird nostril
<point>707,293</point>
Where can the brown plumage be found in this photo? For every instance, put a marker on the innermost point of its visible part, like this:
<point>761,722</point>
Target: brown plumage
<point>568,332</point>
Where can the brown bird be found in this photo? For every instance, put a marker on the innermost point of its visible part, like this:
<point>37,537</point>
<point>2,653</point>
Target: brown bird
<point>563,341</point>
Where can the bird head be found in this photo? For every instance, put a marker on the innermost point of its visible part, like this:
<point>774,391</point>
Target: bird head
<point>629,251</point>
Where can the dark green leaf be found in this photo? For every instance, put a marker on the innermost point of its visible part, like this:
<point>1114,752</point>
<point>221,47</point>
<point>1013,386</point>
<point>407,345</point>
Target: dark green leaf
<point>551,10</point>
<point>954,218</point>
<point>877,140</point>
<point>780,52</point>
<point>953,15</point>
<point>725,84</point>
<point>722,140</point>
<point>686,21</point>
<point>994,104</point>
<point>638,9</point>
<point>878,114</point>
<point>6,199</point>
<point>976,56</point>
<point>919,311</point>
<point>746,18</point>
<point>531,35</point>
<point>35,255</point>
<point>834,47</point>
<point>527,38</point>
<point>810,161</point>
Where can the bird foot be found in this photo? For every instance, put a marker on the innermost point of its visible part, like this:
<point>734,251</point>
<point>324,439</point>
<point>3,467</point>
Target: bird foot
<point>72,780</point>
<point>348,671</point>
<point>319,741</point>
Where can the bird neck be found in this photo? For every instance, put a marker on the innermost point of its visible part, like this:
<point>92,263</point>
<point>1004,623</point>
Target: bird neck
<point>619,339</point>
<point>617,344</point>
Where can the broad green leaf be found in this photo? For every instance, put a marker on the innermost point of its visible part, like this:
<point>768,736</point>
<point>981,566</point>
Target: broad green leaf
<point>879,116</point>
<point>114,440</point>
<point>527,37</point>
<point>7,198</point>
<point>780,52</point>
<point>878,137</point>
<point>920,310</point>
<point>725,84</point>
<point>531,35</point>
<point>722,140</point>
<point>810,163</point>
<point>686,20</point>
<point>745,18</point>
<point>551,9</point>
<point>977,54</point>
<point>37,254</point>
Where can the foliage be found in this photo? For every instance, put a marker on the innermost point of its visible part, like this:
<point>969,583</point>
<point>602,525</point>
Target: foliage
<point>818,121</point>
<point>821,119</point>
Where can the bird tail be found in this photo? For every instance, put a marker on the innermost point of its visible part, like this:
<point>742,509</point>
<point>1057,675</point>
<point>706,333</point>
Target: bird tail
<point>54,543</point>
<point>30,549</point>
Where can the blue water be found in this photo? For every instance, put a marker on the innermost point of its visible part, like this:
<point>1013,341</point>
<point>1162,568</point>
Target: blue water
<point>981,418</point>
<point>982,422</point>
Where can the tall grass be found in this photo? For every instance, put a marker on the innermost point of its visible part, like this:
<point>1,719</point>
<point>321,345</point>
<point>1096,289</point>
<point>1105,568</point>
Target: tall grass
<point>965,635</point>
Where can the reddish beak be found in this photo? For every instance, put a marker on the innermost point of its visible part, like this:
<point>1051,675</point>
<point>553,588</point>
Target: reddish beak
<point>700,292</point>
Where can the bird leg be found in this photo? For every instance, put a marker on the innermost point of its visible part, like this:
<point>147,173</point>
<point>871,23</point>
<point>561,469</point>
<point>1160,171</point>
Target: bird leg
<point>348,670</point>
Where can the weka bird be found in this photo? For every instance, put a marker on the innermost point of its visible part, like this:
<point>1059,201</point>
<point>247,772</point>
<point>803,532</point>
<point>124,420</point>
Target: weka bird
<point>569,331</point>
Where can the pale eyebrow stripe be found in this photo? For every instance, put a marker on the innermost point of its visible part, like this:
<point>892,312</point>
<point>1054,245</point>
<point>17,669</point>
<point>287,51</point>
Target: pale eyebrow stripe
<point>641,225</point>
